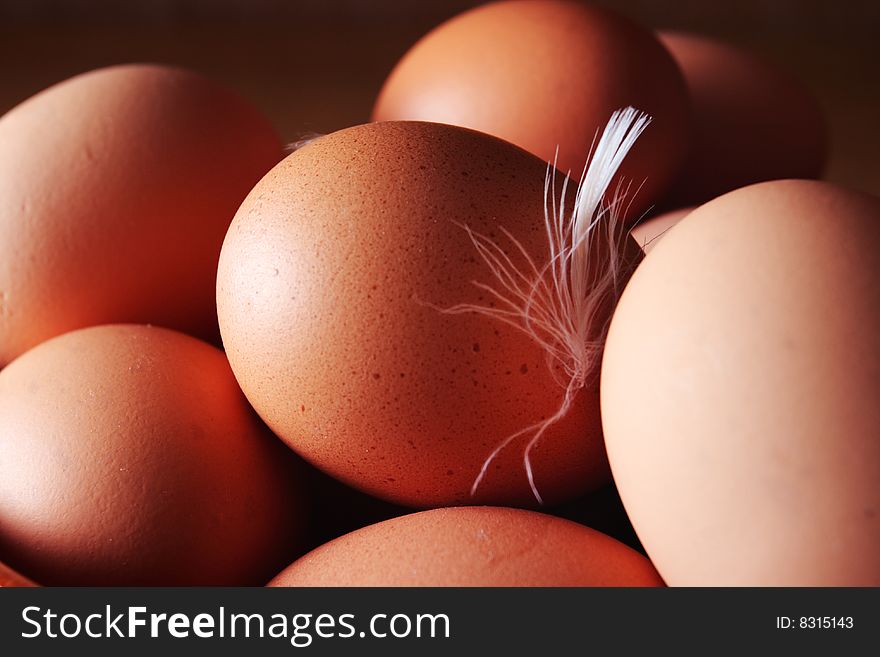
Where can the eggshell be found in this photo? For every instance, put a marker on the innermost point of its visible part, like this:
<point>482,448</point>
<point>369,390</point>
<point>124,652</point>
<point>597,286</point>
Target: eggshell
<point>543,74</point>
<point>647,233</point>
<point>752,121</point>
<point>331,289</point>
<point>739,391</point>
<point>472,546</point>
<point>116,189</point>
<point>10,578</point>
<point>130,457</point>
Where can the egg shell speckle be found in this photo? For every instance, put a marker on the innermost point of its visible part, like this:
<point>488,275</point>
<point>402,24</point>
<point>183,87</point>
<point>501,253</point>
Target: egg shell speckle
<point>330,289</point>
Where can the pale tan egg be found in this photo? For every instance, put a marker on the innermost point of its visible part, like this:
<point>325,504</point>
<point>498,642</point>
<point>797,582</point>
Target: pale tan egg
<point>739,391</point>
<point>647,233</point>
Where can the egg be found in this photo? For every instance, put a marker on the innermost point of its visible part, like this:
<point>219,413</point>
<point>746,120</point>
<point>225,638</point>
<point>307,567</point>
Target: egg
<point>544,74</point>
<point>131,457</point>
<point>116,189</point>
<point>472,546</point>
<point>752,121</point>
<point>10,578</point>
<point>358,295</point>
<point>739,391</point>
<point>647,233</point>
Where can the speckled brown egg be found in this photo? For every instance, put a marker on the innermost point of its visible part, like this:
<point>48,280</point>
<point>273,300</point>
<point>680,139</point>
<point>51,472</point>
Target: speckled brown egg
<point>116,189</point>
<point>333,292</point>
<point>753,121</point>
<point>648,233</point>
<point>129,456</point>
<point>740,390</point>
<point>472,546</point>
<point>547,73</point>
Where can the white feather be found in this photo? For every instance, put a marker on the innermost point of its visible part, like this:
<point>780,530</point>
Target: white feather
<point>559,305</point>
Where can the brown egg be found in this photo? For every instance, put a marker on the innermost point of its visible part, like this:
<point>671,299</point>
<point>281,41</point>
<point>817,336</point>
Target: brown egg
<point>543,74</point>
<point>752,121</point>
<point>472,546</point>
<point>648,233</point>
<point>130,457</point>
<point>10,578</point>
<point>116,189</point>
<point>740,387</point>
<point>335,291</point>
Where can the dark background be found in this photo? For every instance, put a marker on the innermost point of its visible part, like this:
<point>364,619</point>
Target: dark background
<point>316,66</point>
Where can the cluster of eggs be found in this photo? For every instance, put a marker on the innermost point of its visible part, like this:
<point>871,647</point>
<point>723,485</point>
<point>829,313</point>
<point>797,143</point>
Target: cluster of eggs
<point>192,323</point>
